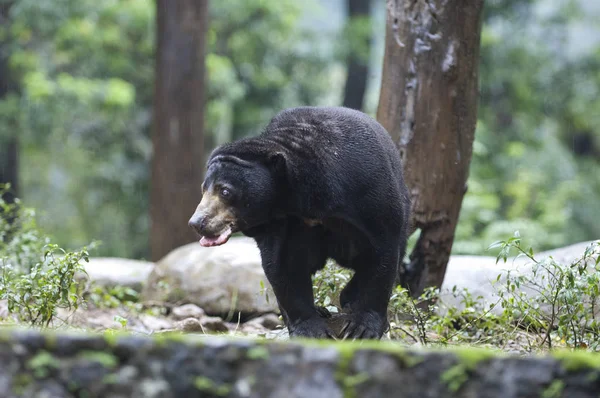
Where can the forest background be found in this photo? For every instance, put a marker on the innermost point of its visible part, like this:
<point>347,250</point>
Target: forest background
<point>76,118</point>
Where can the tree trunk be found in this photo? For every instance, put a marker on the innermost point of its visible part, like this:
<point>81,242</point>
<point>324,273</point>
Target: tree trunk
<point>357,66</point>
<point>9,145</point>
<point>9,166</point>
<point>177,164</point>
<point>428,103</point>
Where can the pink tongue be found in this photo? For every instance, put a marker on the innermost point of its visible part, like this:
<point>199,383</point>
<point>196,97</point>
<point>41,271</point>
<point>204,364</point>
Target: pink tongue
<point>216,241</point>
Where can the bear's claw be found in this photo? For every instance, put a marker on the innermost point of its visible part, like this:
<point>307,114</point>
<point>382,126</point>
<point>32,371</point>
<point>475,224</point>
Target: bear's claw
<point>312,328</point>
<point>361,326</point>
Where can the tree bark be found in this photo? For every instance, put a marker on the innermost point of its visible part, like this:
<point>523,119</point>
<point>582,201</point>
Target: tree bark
<point>428,103</point>
<point>177,164</point>
<point>9,145</point>
<point>357,66</point>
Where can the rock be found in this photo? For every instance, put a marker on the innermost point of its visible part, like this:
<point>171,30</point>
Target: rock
<point>99,320</point>
<point>268,321</point>
<point>4,314</point>
<point>109,272</point>
<point>218,279</point>
<point>213,324</point>
<point>187,311</point>
<point>186,366</point>
<point>154,323</point>
<point>252,330</point>
<point>478,274</point>
<point>190,325</point>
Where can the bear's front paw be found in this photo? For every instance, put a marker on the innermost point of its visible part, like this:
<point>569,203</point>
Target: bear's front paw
<point>315,328</point>
<point>363,325</point>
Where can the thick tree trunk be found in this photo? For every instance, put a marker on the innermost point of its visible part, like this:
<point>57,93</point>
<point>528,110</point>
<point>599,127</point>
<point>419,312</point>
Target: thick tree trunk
<point>357,64</point>
<point>177,164</point>
<point>9,145</point>
<point>428,103</point>
<point>9,166</point>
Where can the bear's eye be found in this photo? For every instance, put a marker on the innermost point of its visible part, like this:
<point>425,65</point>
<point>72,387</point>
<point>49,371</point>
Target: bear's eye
<point>225,193</point>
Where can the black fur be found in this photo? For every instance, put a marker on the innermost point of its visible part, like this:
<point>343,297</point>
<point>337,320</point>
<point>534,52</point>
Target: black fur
<point>337,166</point>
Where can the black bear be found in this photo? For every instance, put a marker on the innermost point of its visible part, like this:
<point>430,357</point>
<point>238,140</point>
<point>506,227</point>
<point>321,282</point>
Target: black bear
<point>317,183</point>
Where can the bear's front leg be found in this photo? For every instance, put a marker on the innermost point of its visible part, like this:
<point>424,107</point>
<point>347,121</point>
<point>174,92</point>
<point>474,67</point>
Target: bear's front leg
<point>288,258</point>
<point>293,290</point>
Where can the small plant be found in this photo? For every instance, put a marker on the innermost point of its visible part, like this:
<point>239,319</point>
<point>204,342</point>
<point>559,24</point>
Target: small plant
<point>415,312</point>
<point>113,297</point>
<point>328,284</point>
<point>36,277</point>
<point>564,299</point>
<point>421,318</point>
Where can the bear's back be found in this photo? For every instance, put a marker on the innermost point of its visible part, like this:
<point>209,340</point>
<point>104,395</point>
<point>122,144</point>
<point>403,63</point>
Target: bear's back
<point>331,132</point>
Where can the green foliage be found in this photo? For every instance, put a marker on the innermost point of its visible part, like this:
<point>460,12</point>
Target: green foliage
<point>37,277</point>
<point>86,74</point>
<point>552,305</point>
<point>83,112</point>
<point>273,63</point>
<point>328,284</point>
<point>113,297</point>
<point>535,101</point>
<point>565,304</point>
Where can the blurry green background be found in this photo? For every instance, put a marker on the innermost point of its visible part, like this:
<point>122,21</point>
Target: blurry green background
<point>83,109</point>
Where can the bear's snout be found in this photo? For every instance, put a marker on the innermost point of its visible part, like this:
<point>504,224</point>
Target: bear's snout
<point>197,223</point>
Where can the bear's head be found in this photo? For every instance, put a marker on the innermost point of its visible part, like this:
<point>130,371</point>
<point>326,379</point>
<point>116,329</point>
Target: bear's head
<point>237,194</point>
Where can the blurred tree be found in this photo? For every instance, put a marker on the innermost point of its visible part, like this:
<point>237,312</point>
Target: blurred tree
<point>357,35</point>
<point>177,162</point>
<point>9,141</point>
<point>85,73</point>
<point>539,90</point>
<point>428,103</point>
<point>83,114</point>
<point>262,59</point>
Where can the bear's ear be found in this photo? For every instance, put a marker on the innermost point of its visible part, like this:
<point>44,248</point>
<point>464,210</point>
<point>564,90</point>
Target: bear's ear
<point>277,163</point>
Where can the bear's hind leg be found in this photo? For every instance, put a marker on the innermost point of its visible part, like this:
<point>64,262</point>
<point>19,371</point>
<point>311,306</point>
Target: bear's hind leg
<point>367,295</point>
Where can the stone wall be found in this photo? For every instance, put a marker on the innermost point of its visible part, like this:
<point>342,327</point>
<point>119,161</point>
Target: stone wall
<point>52,365</point>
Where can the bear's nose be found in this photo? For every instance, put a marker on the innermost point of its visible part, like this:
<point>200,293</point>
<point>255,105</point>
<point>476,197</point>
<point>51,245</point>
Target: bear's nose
<point>197,223</point>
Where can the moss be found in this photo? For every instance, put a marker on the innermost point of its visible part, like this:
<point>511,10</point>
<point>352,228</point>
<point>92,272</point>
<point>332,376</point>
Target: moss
<point>42,359</point>
<point>110,378</point>
<point>110,337</point>
<point>164,339</point>
<point>352,381</point>
<point>470,357</point>
<point>554,390</point>
<point>455,377</point>
<point>51,340</point>
<point>574,361</point>
<point>205,384</point>
<point>407,357</point>
<point>259,352</point>
<point>20,383</point>
<point>342,376</point>
<point>105,359</point>
<point>5,335</point>
<point>468,360</point>
<point>42,363</point>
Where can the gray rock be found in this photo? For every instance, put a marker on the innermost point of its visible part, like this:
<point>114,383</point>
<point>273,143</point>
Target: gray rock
<point>190,325</point>
<point>268,321</point>
<point>154,323</point>
<point>217,279</point>
<point>213,324</point>
<point>187,311</point>
<point>479,275</point>
<point>217,366</point>
<point>113,271</point>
